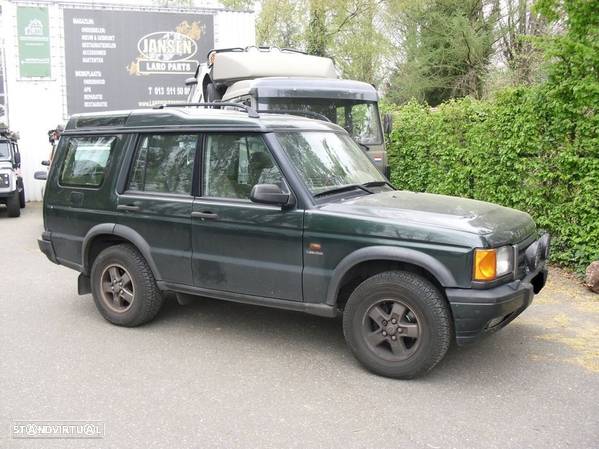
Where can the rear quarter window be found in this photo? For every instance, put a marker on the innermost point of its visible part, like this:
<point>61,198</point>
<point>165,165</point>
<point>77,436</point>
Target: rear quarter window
<point>86,160</point>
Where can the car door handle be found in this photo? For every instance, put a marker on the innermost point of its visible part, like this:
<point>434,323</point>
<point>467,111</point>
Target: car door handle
<point>129,207</point>
<point>205,215</point>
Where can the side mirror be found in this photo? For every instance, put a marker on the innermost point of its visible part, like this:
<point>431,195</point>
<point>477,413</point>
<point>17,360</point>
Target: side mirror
<point>270,194</point>
<point>46,163</point>
<point>17,159</point>
<point>40,175</point>
<point>191,81</point>
<point>388,123</point>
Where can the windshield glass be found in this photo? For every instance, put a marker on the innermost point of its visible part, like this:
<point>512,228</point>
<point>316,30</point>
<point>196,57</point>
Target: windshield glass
<point>325,160</point>
<point>359,118</point>
<point>4,151</point>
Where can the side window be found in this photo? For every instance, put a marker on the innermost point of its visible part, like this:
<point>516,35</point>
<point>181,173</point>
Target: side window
<point>86,160</point>
<point>164,163</point>
<point>234,163</point>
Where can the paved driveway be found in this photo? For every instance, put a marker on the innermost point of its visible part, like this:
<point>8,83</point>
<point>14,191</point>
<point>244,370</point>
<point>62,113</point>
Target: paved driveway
<point>217,374</point>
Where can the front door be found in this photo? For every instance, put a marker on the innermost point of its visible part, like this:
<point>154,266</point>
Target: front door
<point>157,201</point>
<point>239,246</point>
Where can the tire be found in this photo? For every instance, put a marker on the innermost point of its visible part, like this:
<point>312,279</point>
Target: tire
<point>12,203</point>
<point>22,198</point>
<point>415,342</point>
<point>140,300</point>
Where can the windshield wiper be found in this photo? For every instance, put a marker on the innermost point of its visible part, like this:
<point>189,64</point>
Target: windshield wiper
<point>378,184</point>
<point>343,189</point>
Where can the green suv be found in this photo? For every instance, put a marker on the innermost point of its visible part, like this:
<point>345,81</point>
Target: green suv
<point>287,212</point>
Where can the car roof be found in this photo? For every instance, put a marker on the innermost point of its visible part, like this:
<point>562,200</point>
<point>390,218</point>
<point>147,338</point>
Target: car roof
<point>191,118</point>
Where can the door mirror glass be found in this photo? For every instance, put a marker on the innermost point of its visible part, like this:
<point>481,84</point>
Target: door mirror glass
<point>40,175</point>
<point>388,123</point>
<point>269,194</point>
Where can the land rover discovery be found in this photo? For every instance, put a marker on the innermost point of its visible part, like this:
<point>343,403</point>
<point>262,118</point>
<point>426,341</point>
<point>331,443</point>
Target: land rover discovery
<point>285,212</point>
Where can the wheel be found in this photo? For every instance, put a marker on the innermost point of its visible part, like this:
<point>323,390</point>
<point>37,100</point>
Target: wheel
<point>124,288</point>
<point>22,197</point>
<point>12,203</point>
<point>397,324</point>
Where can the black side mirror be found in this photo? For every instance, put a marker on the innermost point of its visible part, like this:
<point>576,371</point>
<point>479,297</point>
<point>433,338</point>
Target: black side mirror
<point>388,123</point>
<point>270,194</point>
<point>17,159</point>
<point>191,81</point>
<point>46,163</point>
<point>40,175</point>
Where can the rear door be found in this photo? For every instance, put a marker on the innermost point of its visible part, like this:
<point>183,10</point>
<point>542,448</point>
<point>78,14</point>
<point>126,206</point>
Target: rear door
<point>239,246</point>
<point>80,193</point>
<point>157,201</point>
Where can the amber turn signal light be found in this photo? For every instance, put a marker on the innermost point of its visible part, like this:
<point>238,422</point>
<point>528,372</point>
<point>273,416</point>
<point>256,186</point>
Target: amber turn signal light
<point>485,264</point>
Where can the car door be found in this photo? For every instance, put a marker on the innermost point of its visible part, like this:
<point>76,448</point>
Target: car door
<point>157,201</point>
<point>81,183</point>
<point>239,246</point>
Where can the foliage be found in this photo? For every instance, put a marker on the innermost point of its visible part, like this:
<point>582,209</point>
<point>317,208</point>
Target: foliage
<point>533,148</point>
<point>446,47</point>
<point>512,151</point>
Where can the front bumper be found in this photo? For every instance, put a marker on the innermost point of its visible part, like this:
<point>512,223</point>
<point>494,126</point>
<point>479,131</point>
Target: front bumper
<point>477,312</point>
<point>46,247</point>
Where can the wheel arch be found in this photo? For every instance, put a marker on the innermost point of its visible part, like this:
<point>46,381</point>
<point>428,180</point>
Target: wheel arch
<point>375,259</point>
<point>104,235</point>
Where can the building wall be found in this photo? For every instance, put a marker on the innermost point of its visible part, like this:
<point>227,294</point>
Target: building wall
<point>38,105</point>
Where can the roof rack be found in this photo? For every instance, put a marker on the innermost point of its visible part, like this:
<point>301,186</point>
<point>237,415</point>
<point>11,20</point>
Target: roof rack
<point>257,47</point>
<point>217,104</point>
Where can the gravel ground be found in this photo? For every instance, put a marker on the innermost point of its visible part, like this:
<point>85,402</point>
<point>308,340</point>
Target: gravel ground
<point>216,374</point>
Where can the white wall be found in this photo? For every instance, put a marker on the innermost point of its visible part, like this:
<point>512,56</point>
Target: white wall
<point>37,105</point>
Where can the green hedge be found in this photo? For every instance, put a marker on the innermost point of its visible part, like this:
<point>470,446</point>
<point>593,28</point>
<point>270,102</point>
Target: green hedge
<point>522,149</point>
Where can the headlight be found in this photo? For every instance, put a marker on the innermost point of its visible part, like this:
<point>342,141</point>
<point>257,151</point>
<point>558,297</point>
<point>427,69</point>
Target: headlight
<point>490,264</point>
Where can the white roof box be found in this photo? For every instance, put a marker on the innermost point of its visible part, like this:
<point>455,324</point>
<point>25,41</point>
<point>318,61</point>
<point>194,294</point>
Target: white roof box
<point>233,65</point>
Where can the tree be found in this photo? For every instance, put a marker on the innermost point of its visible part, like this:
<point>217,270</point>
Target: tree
<point>517,27</point>
<point>445,47</point>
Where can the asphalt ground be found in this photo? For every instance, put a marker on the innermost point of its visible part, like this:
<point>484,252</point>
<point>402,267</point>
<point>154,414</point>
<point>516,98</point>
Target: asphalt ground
<point>216,374</point>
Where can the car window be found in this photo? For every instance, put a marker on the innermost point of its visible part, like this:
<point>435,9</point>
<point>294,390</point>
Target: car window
<point>235,163</point>
<point>164,163</point>
<point>86,160</point>
<point>4,151</point>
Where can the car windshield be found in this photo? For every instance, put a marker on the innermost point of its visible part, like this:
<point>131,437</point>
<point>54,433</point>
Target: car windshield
<point>4,151</point>
<point>359,118</point>
<point>327,161</point>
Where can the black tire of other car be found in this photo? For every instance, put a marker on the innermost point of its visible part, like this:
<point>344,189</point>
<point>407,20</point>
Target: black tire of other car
<point>147,298</point>
<point>397,324</point>
<point>12,203</point>
<point>22,196</point>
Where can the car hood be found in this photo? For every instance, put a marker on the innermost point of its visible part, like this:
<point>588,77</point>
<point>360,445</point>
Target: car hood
<point>499,225</point>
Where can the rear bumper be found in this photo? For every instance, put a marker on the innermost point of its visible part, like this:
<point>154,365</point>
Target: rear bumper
<point>477,312</point>
<point>46,247</point>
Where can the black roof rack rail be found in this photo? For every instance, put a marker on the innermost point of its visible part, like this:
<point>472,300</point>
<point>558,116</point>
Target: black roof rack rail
<point>309,114</point>
<point>250,111</point>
